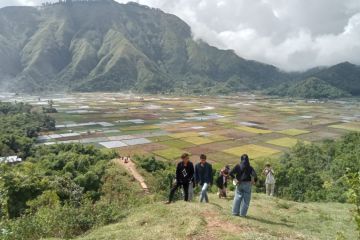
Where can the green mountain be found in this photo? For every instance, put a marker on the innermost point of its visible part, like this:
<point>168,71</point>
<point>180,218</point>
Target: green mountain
<point>107,46</point>
<point>309,88</point>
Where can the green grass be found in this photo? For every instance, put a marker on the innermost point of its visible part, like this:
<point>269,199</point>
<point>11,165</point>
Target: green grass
<point>293,132</point>
<point>184,135</point>
<point>253,130</point>
<point>169,153</point>
<point>254,151</point>
<point>177,143</point>
<point>268,218</point>
<point>285,142</point>
<point>348,127</point>
<point>198,140</point>
<point>160,138</point>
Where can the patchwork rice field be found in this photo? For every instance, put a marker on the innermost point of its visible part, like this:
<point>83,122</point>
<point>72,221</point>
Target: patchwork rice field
<point>224,128</point>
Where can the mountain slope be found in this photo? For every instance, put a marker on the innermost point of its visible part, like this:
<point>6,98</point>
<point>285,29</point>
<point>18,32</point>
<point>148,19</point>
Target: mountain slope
<point>345,76</point>
<point>269,218</point>
<point>309,88</point>
<point>104,45</point>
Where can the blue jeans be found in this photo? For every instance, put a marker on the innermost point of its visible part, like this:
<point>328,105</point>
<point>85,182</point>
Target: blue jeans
<point>203,193</point>
<point>242,199</point>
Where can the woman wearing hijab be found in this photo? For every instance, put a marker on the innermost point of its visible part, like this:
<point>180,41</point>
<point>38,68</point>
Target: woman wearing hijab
<point>244,176</point>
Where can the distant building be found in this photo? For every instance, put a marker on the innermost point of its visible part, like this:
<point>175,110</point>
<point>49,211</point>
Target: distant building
<point>10,159</point>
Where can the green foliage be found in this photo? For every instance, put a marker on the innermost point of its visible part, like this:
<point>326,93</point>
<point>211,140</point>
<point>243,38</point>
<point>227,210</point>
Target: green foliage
<point>309,88</point>
<point>150,164</point>
<point>60,190</point>
<point>316,172</point>
<point>19,127</point>
<point>353,181</point>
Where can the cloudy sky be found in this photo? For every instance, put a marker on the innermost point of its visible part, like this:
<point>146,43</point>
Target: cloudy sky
<point>291,34</point>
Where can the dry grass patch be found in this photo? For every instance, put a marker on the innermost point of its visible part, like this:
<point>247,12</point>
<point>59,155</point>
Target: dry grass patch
<point>184,135</point>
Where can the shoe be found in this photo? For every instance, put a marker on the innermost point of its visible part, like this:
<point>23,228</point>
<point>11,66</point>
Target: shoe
<point>168,202</point>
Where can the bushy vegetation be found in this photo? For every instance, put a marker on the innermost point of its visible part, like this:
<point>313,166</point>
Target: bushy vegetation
<point>19,128</point>
<point>60,190</point>
<point>317,172</point>
<point>353,180</point>
<point>309,88</point>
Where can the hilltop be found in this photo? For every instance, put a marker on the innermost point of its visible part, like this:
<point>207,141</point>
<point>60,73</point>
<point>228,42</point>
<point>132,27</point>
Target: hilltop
<point>269,218</point>
<point>107,46</point>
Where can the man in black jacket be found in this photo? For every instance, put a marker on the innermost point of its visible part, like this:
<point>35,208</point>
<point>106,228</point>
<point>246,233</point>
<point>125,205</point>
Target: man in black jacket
<point>245,176</point>
<point>203,177</point>
<point>184,175</point>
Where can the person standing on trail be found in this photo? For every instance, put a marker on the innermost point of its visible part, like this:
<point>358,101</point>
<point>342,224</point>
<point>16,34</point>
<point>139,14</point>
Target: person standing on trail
<point>221,181</point>
<point>270,180</point>
<point>203,177</point>
<point>244,176</point>
<point>184,175</point>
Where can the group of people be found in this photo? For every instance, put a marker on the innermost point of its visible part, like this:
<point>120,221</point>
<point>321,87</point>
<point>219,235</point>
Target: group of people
<point>125,159</point>
<point>243,174</point>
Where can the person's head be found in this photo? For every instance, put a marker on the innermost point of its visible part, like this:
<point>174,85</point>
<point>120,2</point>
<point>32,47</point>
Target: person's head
<point>185,157</point>
<point>225,171</point>
<point>245,162</point>
<point>244,158</point>
<point>268,165</point>
<point>202,158</point>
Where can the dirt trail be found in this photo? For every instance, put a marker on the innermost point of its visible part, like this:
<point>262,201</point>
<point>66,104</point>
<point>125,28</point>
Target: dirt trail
<point>130,166</point>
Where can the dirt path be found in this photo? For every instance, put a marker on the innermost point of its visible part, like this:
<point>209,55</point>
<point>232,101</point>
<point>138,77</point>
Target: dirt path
<point>130,166</point>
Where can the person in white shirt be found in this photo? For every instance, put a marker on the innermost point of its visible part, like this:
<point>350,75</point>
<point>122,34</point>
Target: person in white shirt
<point>270,180</point>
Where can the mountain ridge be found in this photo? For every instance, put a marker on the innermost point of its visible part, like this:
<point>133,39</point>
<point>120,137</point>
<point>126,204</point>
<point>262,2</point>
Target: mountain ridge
<point>108,46</point>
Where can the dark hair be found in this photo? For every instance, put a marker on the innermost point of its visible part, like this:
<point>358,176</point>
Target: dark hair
<point>185,155</point>
<point>203,156</point>
<point>245,157</point>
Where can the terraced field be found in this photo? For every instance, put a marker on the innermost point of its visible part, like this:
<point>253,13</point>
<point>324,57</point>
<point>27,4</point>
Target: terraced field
<point>224,128</point>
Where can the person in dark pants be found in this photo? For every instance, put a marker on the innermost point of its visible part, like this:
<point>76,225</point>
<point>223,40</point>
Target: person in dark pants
<point>221,181</point>
<point>245,176</point>
<point>203,177</point>
<point>184,175</point>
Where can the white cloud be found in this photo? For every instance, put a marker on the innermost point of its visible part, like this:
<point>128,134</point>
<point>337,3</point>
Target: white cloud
<point>291,34</point>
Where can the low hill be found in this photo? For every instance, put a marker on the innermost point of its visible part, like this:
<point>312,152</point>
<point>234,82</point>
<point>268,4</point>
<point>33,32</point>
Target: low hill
<point>269,218</point>
<point>345,76</point>
<point>309,88</point>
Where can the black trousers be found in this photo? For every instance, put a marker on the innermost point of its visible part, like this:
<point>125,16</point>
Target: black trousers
<point>174,188</point>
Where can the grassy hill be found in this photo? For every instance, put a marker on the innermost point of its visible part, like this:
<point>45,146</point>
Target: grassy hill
<point>269,218</point>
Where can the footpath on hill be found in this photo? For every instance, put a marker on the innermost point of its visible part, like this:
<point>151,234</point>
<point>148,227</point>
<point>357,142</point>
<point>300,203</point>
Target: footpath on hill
<point>130,166</point>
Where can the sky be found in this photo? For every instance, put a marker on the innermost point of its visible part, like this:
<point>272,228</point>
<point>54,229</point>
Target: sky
<point>293,35</point>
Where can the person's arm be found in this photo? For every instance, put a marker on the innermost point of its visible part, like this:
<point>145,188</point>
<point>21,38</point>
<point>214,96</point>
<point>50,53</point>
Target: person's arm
<point>191,172</point>
<point>233,172</point>
<point>196,175</point>
<point>254,176</point>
